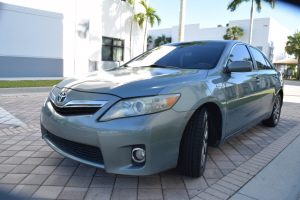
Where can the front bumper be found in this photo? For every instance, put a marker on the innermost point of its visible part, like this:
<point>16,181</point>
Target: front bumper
<point>160,133</point>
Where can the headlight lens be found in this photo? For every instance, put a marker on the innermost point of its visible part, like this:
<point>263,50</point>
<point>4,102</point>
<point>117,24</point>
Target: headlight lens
<point>52,96</point>
<point>140,106</point>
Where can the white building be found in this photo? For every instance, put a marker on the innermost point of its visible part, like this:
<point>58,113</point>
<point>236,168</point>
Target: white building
<point>268,35</point>
<point>54,38</point>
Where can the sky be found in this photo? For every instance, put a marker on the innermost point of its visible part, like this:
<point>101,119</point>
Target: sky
<point>214,12</point>
<point>208,13</point>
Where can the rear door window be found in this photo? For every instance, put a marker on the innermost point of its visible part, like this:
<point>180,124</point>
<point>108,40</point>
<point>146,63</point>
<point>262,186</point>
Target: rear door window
<point>260,60</point>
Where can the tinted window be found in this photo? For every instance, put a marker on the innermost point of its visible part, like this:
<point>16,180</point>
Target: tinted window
<point>190,55</point>
<point>239,53</point>
<point>259,58</point>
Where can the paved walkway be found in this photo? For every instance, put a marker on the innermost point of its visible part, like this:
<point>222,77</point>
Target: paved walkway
<point>31,169</point>
<point>279,179</point>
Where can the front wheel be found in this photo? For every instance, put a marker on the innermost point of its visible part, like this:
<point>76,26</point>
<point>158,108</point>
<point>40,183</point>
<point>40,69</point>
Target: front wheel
<point>193,145</point>
<point>274,118</point>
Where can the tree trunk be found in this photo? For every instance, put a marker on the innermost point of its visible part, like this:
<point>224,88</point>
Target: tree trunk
<point>298,69</point>
<point>251,23</point>
<point>181,21</point>
<point>131,27</point>
<point>145,34</point>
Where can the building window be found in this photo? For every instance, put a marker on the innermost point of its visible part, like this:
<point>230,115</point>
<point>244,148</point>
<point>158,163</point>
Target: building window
<point>112,49</point>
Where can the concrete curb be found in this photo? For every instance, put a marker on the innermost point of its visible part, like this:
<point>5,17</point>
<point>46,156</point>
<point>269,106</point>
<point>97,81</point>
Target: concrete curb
<point>32,78</point>
<point>279,179</point>
<point>235,180</point>
<point>24,91</point>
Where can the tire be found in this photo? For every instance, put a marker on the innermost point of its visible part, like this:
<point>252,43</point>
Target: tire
<point>274,118</point>
<point>193,145</point>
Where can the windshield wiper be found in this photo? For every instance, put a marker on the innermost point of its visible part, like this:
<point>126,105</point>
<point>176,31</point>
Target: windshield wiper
<point>125,65</point>
<point>162,66</point>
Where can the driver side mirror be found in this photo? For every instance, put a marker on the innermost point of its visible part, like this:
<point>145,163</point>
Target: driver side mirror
<point>240,66</point>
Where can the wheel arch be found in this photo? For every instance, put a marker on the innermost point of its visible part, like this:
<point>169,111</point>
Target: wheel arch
<point>215,122</point>
<point>281,94</point>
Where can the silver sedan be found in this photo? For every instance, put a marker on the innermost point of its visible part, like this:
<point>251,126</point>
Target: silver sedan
<point>163,108</point>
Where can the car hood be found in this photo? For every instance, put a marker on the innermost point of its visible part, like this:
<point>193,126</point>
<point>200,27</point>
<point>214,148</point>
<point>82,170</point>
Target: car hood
<point>132,81</point>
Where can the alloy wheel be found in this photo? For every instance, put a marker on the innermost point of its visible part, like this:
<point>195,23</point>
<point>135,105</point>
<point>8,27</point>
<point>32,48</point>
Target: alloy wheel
<point>276,110</point>
<point>204,143</point>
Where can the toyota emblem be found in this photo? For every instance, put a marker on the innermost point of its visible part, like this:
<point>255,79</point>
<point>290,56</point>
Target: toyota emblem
<point>61,97</point>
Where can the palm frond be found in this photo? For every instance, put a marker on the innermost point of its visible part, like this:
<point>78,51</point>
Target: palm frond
<point>271,3</point>
<point>234,4</point>
<point>131,2</point>
<point>143,3</point>
<point>158,19</point>
<point>293,44</point>
<point>150,10</point>
<point>233,33</point>
<point>139,18</point>
<point>258,5</point>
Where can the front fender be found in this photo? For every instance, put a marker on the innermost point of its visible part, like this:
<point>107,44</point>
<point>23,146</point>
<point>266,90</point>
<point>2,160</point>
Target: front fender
<point>197,94</point>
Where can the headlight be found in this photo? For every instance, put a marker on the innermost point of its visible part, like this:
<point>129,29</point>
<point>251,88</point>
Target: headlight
<point>52,96</point>
<point>140,106</point>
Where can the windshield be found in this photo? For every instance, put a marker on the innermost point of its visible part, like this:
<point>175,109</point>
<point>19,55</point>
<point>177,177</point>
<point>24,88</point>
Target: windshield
<point>189,55</point>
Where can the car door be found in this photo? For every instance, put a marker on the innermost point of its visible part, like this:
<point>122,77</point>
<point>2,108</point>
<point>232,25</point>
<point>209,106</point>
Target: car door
<point>242,92</point>
<point>268,77</point>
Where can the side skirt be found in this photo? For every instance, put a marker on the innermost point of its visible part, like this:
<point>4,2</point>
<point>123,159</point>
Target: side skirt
<point>220,142</point>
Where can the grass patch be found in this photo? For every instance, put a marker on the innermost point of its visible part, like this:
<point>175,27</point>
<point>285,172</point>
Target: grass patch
<point>293,79</point>
<point>28,83</point>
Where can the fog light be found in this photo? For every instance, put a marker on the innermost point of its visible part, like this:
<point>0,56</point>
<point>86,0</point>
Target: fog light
<point>138,155</point>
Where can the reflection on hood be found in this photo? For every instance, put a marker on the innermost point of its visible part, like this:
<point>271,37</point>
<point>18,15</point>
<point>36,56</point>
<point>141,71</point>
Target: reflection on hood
<point>147,80</point>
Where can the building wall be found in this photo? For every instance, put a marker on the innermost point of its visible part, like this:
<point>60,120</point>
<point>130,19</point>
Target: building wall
<point>96,19</point>
<point>265,35</point>
<point>116,22</point>
<point>277,38</point>
<point>31,42</point>
<point>260,33</point>
<point>71,34</point>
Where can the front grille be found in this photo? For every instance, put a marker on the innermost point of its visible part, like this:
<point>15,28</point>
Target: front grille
<point>82,151</point>
<point>75,110</point>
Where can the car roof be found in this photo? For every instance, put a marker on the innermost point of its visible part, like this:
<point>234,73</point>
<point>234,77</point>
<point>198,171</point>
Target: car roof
<point>196,41</point>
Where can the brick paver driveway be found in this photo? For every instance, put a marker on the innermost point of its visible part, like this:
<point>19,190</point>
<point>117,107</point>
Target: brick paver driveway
<point>31,169</point>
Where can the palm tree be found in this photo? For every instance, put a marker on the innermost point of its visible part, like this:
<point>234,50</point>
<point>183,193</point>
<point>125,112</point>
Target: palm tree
<point>233,33</point>
<point>235,3</point>
<point>162,40</point>
<point>181,21</point>
<point>132,3</point>
<point>293,47</point>
<point>149,16</point>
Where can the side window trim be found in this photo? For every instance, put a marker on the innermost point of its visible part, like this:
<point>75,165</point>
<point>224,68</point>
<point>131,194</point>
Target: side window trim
<point>270,64</point>
<point>252,57</point>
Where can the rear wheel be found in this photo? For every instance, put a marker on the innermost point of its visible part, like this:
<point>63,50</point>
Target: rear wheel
<point>274,118</point>
<point>193,146</point>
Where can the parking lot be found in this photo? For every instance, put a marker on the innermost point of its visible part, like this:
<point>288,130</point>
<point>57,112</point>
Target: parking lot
<point>31,169</point>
